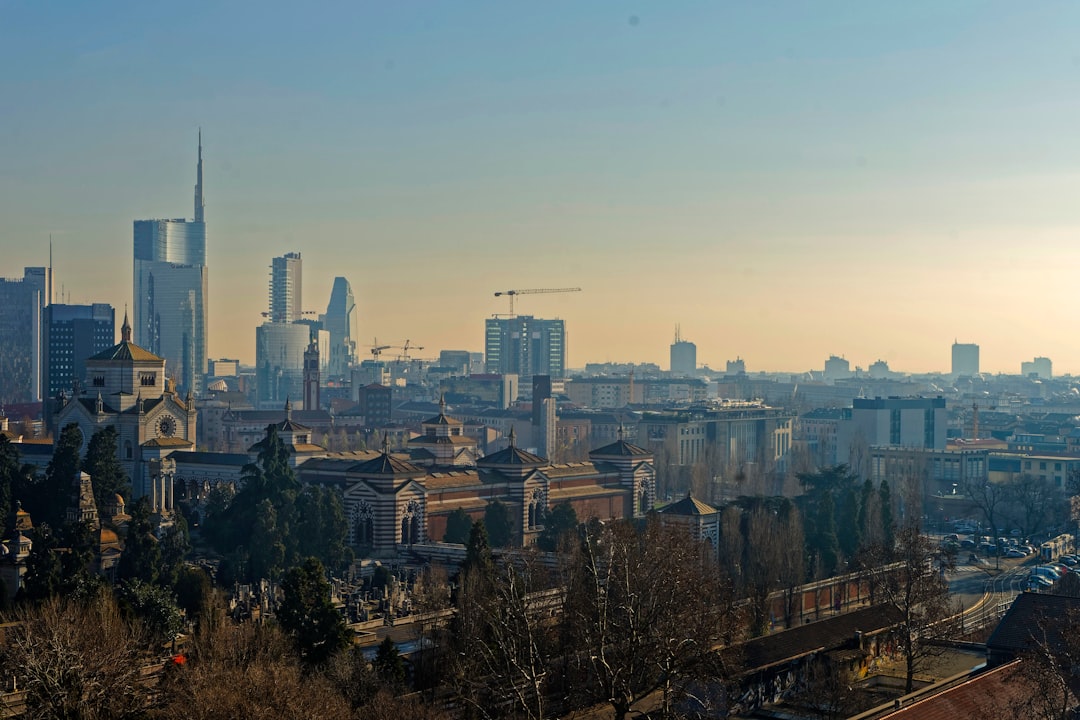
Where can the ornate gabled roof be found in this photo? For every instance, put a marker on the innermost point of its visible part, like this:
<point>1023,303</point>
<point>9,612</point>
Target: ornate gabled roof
<point>167,442</point>
<point>441,418</point>
<point>513,455</point>
<point>127,350</point>
<point>387,464</point>
<point>619,448</point>
<point>689,505</point>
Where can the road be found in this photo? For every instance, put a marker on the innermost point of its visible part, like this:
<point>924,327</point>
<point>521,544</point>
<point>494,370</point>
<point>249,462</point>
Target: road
<point>984,592</point>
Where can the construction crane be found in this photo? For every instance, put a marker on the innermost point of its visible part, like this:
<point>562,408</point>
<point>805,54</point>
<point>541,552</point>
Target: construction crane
<point>377,349</point>
<point>534,291</point>
<point>405,350</point>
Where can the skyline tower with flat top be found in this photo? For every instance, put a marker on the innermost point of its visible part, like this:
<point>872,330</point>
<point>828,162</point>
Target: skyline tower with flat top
<point>170,293</point>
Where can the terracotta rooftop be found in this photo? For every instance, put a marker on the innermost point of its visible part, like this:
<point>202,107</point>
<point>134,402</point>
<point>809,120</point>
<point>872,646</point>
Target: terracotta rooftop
<point>983,695</point>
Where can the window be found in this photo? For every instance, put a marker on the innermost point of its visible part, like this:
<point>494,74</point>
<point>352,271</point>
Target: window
<point>147,379</point>
<point>99,381</point>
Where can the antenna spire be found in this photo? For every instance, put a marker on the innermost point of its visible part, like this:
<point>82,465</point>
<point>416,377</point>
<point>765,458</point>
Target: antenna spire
<point>199,204</point>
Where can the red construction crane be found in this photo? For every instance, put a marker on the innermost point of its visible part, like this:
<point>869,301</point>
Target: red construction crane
<point>535,291</point>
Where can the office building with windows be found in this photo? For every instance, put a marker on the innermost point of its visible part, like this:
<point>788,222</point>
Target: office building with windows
<point>22,304</point>
<point>341,322</point>
<point>170,294</point>
<point>683,356</point>
<point>525,346</point>
<point>72,334</point>
<point>286,275</point>
<point>965,359</point>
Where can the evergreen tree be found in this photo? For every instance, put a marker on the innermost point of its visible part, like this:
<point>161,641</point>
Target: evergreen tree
<point>389,666</point>
<point>175,545</point>
<point>44,573</point>
<point>141,559</point>
<point>498,525</point>
<point>864,509</point>
<point>11,475</point>
<point>458,525</point>
<point>267,547</point>
<point>307,614</point>
<point>849,531</point>
<point>103,465</point>
<point>478,553</point>
<point>888,531</point>
<point>827,545</point>
<point>49,503</point>
<point>154,606</point>
<point>558,521</point>
<point>322,527</point>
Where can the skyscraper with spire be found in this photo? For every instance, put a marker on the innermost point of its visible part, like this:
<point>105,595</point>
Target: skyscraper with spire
<point>170,294</point>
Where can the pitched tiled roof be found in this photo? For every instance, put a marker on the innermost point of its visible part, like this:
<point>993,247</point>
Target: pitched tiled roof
<point>441,419</point>
<point>978,696</point>
<point>293,427</point>
<point>127,351</point>
<point>1028,617</point>
<point>689,506</point>
<point>619,448</point>
<point>387,464</point>
<point>211,458</point>
<point>167,442</point>
<point>828,634</point>
<point>512,456</point>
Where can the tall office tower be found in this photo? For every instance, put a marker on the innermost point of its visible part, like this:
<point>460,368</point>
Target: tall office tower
<point>286,276</point>
<point>73,333</point>
<point>965,359</point>
<point>340,320</point>
<point>22,304</point>
<point>525,346</point>
<point>170,299</point>
<point>311,376</point>
<point>683,356</point>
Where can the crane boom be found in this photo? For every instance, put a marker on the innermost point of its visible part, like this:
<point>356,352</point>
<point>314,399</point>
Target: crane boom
<point>533,291</point>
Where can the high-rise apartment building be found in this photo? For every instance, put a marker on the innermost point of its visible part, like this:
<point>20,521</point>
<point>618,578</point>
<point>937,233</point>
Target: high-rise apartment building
<point>683,355</point>
<point>525,346</point>
<point>341,322</point>
<point>170,295</point>
<point>22,304</point>
<point>965,359</point>
<point>286,275</point>
<point>72,334</point>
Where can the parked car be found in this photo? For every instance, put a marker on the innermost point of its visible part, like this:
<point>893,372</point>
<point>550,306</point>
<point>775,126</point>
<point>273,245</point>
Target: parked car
<point>953,537</point>
<point>1068,561</point>
<point>967,545</point>
<point>1014,553</point>
<point>1036,583</point>
<point>1046,571</point>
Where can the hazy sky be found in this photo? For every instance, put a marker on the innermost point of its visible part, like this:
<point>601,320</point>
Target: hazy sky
<point>787,180</point>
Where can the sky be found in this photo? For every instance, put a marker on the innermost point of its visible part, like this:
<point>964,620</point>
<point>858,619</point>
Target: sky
<point>784,180</point>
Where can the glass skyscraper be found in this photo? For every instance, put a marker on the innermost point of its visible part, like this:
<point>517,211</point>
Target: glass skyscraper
<point>170,297</point>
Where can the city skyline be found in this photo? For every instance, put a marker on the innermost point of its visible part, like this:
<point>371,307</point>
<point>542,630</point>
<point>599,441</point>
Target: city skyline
<point>785,183</point>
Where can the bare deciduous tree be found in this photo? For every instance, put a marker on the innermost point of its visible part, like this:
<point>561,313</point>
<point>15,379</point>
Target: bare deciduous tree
<point>645,610</point>
<point>78,660</point>
<point>915,585</point>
